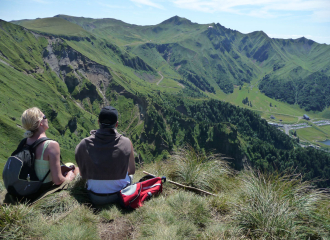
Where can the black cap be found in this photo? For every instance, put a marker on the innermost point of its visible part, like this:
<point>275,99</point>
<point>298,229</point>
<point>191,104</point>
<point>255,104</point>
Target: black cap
<point>108,117</point>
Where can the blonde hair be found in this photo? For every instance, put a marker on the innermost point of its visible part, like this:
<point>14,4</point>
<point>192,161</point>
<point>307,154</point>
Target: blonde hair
<point>31,119</point>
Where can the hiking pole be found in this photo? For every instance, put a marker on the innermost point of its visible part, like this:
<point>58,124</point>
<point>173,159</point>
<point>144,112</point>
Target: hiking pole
<point>184,186</point>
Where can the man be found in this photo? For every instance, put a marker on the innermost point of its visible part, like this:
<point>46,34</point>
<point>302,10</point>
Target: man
<point>106,159</point>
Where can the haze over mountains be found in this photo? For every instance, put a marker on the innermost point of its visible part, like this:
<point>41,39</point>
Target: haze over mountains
<point>166,81</point>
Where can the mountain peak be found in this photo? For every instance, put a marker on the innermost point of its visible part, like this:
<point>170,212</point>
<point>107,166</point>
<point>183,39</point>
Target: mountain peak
<point>176,20</point>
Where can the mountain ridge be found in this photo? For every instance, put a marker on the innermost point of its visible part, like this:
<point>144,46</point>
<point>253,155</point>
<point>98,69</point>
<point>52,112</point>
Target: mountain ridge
<point>158,118</point>
<point>211,57</point>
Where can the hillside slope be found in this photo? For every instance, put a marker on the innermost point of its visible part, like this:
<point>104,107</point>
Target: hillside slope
<point>245,205</point>
<point>85,73</point>
<point>219,55</point>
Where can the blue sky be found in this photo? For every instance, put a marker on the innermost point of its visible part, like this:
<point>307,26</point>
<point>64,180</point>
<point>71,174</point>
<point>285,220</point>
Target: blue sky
<point>277,18</point>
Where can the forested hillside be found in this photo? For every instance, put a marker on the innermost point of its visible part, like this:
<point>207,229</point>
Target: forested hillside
<point>311,93</point>
<point>160,78</point>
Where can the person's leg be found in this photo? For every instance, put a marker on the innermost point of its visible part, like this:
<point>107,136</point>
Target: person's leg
<point>101,200</point>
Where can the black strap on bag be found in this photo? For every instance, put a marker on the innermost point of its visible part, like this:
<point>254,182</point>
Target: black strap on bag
<point>19,147</point>
<point>32,149</point>
<point>40,140</point>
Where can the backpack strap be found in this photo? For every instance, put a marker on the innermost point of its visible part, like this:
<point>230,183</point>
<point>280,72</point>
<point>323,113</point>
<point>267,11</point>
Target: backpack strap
<point>20,146</point>
<point>61,160</point>
<point>36,143</point>
<point>42,180</point>
<point>40,140</point>
<point>44,148</point>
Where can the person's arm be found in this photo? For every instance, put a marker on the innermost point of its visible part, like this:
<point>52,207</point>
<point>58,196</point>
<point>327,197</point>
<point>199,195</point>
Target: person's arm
<point>55,166</point>
<point>131,163</point>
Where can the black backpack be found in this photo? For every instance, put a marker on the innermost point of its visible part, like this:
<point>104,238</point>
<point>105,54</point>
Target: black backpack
<point>18,175</point>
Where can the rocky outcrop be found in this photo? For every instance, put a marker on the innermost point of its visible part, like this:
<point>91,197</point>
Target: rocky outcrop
<point>136,63</point>
<point>74,69</point>
<point>85,78</point>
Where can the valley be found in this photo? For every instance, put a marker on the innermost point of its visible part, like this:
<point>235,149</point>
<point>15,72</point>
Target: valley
<point>176,83</point>
<point>204,105</point>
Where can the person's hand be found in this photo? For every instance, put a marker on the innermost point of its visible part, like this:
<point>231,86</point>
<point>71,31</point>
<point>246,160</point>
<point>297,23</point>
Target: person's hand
<point>70,175</point>
<point>65,169</point>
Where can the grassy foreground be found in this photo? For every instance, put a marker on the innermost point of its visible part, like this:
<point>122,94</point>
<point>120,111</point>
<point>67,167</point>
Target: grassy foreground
<point>249,205</point>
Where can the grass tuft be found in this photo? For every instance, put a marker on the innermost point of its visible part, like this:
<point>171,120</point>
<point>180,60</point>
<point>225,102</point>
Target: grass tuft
<point>192,168</point>
<point>19,221</point>
<point>278,206</point>
<point>56,204</point>
<point>250,205</point>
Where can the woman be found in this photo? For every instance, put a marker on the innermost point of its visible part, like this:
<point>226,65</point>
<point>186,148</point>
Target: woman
<point>47,153</point>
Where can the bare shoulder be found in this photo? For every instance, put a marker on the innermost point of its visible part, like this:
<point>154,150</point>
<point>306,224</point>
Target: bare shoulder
<point>53,146</point>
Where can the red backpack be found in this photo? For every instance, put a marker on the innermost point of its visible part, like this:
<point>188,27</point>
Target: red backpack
<point>134,195</point>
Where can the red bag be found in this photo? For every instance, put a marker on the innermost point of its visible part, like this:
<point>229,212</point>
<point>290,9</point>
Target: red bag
<point>134,195</point>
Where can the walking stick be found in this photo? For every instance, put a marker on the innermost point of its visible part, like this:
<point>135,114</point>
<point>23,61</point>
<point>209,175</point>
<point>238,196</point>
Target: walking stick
<point>184,186</point>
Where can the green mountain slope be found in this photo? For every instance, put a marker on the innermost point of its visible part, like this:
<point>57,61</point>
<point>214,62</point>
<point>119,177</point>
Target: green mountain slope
<point>27,81</point>
<point>56,26</point>
<point>162,105</point>
<point>215,58</point>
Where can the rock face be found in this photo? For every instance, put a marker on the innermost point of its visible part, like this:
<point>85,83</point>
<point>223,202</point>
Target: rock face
<point>84,78</point>
<point>77,71</point>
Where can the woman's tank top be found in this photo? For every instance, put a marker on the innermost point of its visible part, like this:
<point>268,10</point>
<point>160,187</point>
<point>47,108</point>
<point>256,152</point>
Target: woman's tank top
<point>41,166</point>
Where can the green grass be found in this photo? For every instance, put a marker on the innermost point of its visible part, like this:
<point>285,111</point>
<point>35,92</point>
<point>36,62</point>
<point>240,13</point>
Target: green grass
<point>285,118</point>
<point>279,207</point>
<point>325,128</point>
<point>313,134</point>
<point>261,103</point>
<point>248,205</point>
<point>55,26</point>
<point>195,169</point>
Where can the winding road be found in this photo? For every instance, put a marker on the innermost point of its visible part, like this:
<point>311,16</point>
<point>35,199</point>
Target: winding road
<point>160,79</point>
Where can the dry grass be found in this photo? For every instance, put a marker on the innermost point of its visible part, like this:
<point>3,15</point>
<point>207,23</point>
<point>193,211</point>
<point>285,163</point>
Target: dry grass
<point>205,171</point>
<point>279,207</point>
<point>248,205</point>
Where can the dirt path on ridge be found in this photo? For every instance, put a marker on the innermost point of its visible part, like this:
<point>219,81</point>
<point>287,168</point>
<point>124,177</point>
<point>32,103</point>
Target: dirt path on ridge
<point>160,79</point>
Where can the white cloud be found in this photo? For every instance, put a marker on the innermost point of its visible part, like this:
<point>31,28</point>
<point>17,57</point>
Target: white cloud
<point>261,8</point>
<point>148,3</point>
